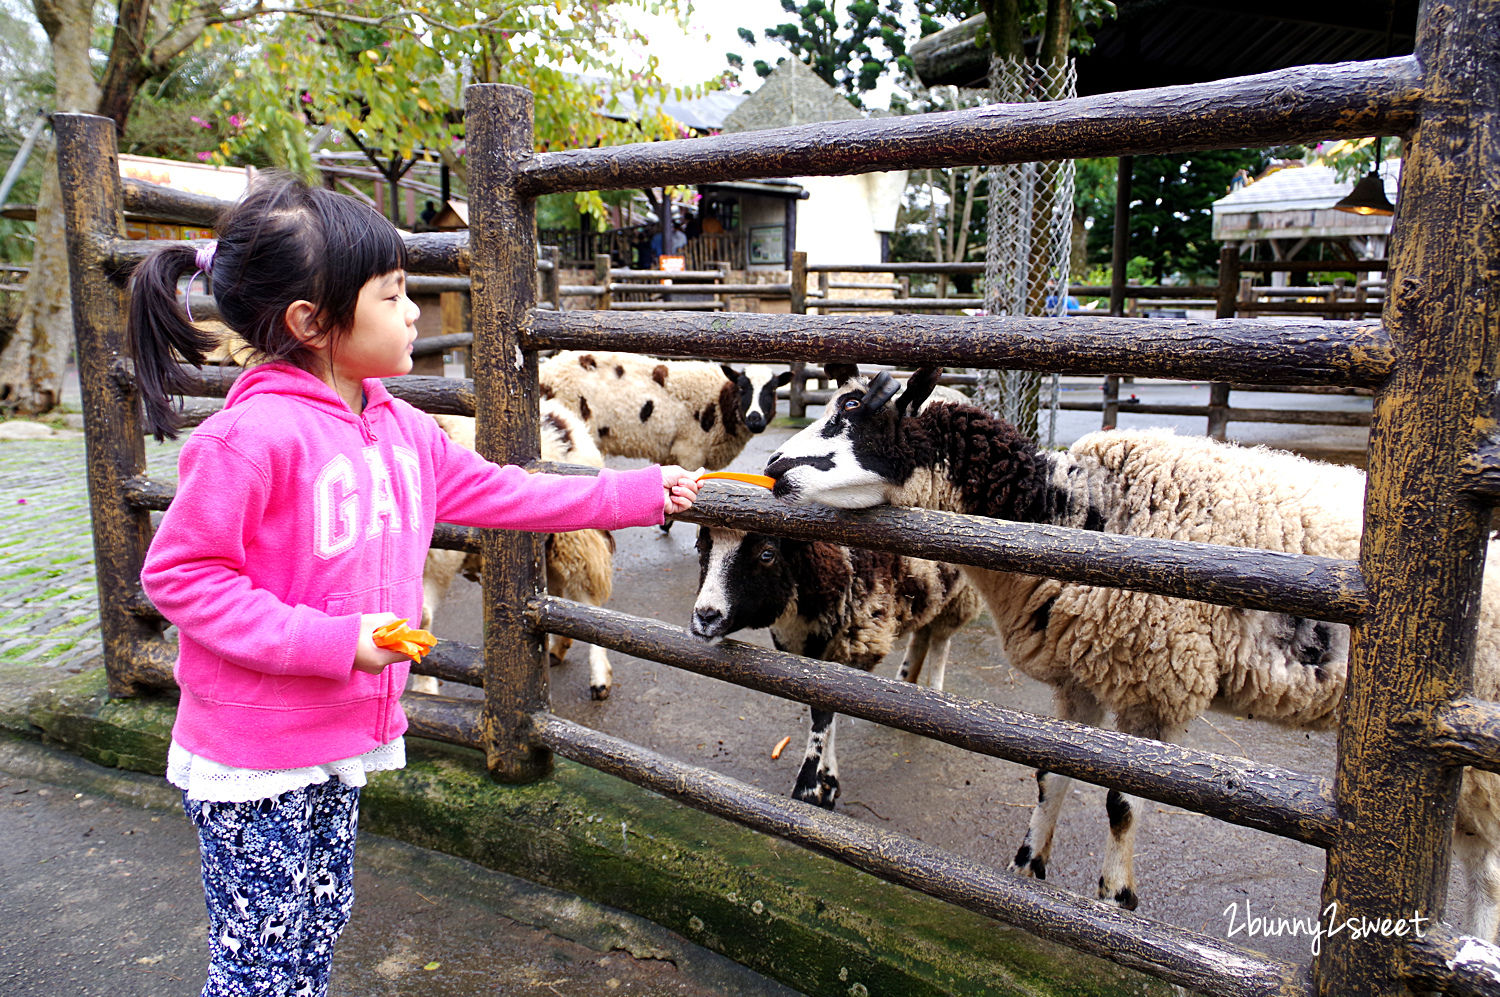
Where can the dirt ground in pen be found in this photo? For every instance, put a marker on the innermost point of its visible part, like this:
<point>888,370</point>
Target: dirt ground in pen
<point>1192,870</point>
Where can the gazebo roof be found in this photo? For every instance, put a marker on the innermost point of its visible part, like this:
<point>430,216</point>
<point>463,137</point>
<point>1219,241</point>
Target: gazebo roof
<point>1297,202</point>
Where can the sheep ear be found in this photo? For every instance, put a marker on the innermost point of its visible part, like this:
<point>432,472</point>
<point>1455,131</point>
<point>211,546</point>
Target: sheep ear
<point>918,387</point>
<point>840,373</point>
<point>730,372</point>
<point>882,389</point>
<point>783,378</point>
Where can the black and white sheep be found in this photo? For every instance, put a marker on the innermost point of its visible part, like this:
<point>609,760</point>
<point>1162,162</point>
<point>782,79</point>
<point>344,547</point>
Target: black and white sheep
<point>1155,662</point>
<point>692,413</point>
<point>580,565</point>
<point>836,603</point>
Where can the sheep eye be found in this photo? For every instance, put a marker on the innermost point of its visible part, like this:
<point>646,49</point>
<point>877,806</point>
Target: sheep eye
<point>850,404</point>
<point>767,555</point>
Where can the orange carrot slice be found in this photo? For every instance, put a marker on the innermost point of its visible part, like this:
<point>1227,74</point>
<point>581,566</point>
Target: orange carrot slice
<point>749,479</point>
<point>780,747</point>
<point>397,636</point>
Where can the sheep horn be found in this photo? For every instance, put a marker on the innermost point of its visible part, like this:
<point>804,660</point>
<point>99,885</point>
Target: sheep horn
<point>882,389</point>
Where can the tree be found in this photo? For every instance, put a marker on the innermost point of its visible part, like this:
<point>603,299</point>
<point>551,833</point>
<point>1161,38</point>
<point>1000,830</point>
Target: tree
<point>379,95</point>
<point>389,78</point>
<point>1171,212</point>
<point>144,39</point>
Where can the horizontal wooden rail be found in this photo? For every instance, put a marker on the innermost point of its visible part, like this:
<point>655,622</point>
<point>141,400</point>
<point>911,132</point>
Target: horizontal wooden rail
<point>919,268</point>
<point>826,305</point>
<point>429,392</point>
<point>1468,732</point>
<point>1296,417</point>
<point>1443,962</point>
<point>1176,954</point>
<point>443,253</point>
<point>1273,351</point>
<point>1482,472</point>
<point>1341,100</point>
<point>1319,588</point>
<point>1279,801</point>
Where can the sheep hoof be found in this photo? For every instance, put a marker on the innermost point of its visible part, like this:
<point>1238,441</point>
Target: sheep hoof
<point>598,692</point>
<point>1123,898</point>
<point>1027,864</point>
<point>667,526</point>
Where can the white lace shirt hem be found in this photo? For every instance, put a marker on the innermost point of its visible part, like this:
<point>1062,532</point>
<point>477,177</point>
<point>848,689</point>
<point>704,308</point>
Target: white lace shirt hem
<point>211,782</point>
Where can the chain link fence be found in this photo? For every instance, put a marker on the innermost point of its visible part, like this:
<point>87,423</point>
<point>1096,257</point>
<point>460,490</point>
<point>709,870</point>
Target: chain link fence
<point>1027,256</point>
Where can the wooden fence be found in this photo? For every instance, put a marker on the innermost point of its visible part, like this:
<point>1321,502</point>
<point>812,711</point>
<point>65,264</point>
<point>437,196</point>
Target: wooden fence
<point>1409,722</point>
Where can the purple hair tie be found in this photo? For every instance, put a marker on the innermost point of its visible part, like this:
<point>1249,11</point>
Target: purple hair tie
<point>203,259</point>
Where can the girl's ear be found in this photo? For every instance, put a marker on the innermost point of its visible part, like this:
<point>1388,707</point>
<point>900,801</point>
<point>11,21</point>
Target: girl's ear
<point>299,319</point>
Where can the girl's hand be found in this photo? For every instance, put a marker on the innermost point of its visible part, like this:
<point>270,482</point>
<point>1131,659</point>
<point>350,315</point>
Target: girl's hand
<point>368,657</point>
<point>679,489</point>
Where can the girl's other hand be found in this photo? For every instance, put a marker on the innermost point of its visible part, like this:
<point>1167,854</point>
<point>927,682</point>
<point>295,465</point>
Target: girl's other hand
<point>679,489</point>
<point>368,656</point>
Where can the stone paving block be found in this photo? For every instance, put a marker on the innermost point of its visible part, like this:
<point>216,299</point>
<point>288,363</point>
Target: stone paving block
<point>49,602</point>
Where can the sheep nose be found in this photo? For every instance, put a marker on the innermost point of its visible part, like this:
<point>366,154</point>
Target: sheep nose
<point>707,621</point>
<point>755,422</point>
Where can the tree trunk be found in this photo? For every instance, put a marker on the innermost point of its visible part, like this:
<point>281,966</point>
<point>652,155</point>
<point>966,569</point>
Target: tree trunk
<point>34,362</point>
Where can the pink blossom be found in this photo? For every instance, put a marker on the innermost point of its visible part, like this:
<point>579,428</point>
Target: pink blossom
<point>200,122</point>
<point>235,121</point>
<point>204,157</point>
<point>307,98</point>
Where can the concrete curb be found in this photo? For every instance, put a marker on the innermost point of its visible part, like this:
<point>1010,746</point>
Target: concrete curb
<point>815,924</point>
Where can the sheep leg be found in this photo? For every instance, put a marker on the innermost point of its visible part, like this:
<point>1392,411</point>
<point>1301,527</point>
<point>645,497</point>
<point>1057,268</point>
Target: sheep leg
<point>1476,846</point>
<point>1052,789</point>
<point>601,675</point>
<point>437,575</point>
<point>818,779</point>
<point>916,655</point>
<point>1117,876</point>
<point>938,667</point>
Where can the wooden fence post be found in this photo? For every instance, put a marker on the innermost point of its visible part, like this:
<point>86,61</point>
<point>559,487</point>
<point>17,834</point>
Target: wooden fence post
<point>601,278</point>
<point>797,390</point>
<point>551,279</point>
<point>503,265</point>
<point>1423,548</point>
<point>89,173</point>
<point>1227,297</point>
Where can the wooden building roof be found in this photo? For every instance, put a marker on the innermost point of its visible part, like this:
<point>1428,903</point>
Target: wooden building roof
<point>1156,43</point>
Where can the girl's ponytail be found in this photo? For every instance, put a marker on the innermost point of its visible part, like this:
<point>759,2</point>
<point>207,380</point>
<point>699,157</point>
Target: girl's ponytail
<point>161,336</point>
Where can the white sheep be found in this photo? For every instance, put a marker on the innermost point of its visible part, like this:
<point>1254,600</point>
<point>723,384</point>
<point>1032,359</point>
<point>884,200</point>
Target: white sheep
<point>580,565</point>
<point>836,603</point>
<point>686,412</point>
<point>1155,662</point>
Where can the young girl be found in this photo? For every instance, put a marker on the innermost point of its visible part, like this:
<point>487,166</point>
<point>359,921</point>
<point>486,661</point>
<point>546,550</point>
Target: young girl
<point>303,514</point>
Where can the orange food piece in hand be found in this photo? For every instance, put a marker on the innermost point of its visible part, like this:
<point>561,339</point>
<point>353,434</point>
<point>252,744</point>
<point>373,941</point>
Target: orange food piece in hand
<point>397,636</point>
<point>750,479</point>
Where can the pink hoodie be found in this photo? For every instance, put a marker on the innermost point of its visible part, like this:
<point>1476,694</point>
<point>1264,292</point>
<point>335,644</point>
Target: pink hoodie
<point>293,517</point>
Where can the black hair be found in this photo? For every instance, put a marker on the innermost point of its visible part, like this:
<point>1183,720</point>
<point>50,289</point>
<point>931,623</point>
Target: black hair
<point>284,241</point>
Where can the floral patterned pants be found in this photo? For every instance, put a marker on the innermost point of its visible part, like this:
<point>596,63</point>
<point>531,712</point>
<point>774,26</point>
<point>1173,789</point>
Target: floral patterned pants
<point>278,876</point>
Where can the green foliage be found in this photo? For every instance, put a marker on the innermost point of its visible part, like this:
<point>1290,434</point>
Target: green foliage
<point>389,78</point>
<point>1171,218</point>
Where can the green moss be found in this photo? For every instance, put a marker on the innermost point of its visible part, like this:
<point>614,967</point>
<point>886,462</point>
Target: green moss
<point>822,927</point>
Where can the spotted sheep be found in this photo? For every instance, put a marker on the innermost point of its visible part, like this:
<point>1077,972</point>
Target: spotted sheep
<point>580,565</point>
<point>1155,662</point>
<point>687,412</point>
<point>836,603</point>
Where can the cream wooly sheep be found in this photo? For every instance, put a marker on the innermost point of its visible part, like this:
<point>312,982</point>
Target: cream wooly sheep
<point>686,412</point>
<point>830,602</point>
<point>580,565</point>
<point>1155,662</point>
